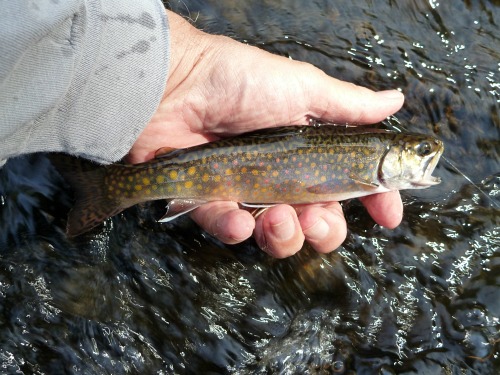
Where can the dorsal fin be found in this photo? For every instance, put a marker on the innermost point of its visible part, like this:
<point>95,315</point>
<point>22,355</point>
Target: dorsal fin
<point>163,151</point>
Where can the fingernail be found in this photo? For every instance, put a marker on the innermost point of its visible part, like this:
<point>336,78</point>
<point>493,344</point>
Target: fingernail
<point>284,230</point>
<point>318,230</point>
<point>391,94</point>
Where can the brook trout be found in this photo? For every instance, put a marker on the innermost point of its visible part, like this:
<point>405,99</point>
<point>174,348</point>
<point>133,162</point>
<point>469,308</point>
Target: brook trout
<point>292,164</point>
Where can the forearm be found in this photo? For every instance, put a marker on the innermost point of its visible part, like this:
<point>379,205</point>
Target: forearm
<point>82,77</point>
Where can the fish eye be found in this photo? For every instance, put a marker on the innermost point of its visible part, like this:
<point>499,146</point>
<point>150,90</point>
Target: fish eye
<point>424,149</point>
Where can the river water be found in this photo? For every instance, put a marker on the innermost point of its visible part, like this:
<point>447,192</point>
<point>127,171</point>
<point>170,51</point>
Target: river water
<point>142,297</point>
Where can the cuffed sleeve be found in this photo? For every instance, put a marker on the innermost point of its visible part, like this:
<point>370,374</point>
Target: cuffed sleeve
<point>82,77</point>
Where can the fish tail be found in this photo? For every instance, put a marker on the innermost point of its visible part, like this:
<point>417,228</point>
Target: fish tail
<point>92,204</point>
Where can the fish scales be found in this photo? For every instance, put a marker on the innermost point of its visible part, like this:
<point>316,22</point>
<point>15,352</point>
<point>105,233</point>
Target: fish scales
<point>276,172</point>
<point>299,164</point>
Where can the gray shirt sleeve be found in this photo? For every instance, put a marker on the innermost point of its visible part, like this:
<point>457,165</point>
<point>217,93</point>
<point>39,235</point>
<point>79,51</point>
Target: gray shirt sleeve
<point>80,76</point>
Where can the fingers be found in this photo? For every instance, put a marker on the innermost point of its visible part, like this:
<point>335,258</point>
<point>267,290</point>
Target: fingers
<point>225,221</point>
<point>386,209</point>
<point>281,230</point>
<point>324,226</point>
<point>278,231</point>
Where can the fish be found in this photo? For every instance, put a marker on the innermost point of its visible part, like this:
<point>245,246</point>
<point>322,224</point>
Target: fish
<point>288,164</point>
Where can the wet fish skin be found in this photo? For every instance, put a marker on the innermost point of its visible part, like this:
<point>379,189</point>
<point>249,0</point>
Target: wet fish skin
<point>292,164</point>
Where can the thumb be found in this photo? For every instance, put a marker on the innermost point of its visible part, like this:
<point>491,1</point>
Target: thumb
<point>344,102</point>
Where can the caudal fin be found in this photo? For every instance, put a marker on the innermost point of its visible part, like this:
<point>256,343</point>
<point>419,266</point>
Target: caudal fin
<point>93,204</point>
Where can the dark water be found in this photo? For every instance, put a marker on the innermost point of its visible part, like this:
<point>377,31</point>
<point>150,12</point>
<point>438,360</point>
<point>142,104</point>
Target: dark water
<point>140,297</point>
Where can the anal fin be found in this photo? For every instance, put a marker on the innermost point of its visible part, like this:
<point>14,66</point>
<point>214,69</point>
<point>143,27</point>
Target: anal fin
<point>177,207</point>
<point>258,209</point>
<point>256,205</point>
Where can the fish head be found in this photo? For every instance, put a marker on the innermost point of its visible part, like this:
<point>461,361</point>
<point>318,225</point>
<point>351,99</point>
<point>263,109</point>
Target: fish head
<point>409,162</point>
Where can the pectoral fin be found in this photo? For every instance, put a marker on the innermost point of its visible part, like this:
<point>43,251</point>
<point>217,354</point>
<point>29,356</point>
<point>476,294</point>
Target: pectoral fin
<point>178,207</point>
<point>329,187</point>
<point>353,182</point>
<point>363,182</point>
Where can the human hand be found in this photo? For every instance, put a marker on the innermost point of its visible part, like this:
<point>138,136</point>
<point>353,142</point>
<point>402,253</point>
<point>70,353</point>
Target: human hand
<point>219,87</point>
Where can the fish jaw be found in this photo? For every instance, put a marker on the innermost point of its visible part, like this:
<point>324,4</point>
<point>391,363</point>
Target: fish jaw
<point>410,162</point>
<point>427,179</point>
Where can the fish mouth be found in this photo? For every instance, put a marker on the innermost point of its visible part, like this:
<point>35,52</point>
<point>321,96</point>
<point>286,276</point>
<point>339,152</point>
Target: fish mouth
<point>427,178</point>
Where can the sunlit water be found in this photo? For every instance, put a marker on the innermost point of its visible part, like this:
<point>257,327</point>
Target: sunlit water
<point>142,297</point>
